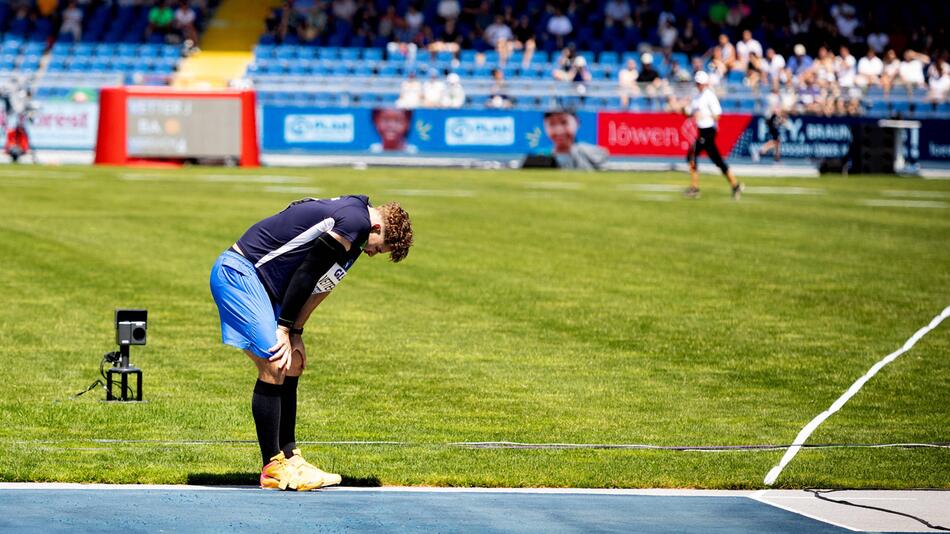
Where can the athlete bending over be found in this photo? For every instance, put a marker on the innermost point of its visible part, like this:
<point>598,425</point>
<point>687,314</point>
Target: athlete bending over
<point>267,285</point>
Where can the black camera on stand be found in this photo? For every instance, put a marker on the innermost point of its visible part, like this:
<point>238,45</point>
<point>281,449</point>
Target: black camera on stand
<point>131,328</point>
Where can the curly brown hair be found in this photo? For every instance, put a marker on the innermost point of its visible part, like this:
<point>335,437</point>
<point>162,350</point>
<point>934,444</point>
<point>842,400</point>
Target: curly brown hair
<point>397,231</point>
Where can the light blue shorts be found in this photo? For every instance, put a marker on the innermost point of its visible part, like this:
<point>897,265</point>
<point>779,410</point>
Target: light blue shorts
<point>248,319</point>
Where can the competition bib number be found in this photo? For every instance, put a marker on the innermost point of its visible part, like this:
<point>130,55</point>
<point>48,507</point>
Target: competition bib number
<point>328,281</point>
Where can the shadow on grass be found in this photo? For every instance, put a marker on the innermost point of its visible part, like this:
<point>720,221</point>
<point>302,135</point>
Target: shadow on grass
<point>252,479</point>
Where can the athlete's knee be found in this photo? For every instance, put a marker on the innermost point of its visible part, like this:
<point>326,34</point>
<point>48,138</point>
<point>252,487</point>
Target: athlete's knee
<point>267,371</point>
<point>296,365</point>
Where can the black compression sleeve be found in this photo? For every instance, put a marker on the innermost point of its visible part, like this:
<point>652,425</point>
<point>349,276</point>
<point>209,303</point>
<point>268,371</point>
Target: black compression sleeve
<point>325,252</point>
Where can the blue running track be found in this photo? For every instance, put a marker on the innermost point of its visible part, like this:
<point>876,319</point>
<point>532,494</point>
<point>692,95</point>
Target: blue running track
<point>183,509</point>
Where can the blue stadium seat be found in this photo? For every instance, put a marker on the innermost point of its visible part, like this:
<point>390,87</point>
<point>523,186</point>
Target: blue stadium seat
<point>609,58</point>
<point>350,54</point>
<point>328,52</point>
<point>879,108</point>
<point>373,54</point>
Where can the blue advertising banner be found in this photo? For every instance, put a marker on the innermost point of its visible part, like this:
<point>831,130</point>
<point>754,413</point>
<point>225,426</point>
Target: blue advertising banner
<point>808,137</point>
<point>420,131</point>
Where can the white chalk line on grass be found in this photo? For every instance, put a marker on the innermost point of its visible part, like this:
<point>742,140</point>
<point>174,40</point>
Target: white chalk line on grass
<point>894,203</point>
<point>448,193</point>
<point>805,432</point>
<point>555,186</point>
<point>489,445</point>
<point>296,189</point>
<point>914,193</point>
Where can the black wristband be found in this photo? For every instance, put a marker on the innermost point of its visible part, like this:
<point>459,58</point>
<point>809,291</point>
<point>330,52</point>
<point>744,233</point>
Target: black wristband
<point>298,331</point>
<point>286,323</point>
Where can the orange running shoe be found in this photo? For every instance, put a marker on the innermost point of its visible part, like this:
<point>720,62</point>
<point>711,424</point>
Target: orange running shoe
<point>309,476</point>
<point>279,474</point>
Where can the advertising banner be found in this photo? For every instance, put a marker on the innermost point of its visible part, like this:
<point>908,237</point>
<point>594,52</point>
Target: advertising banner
<point>61,124</point>
<point>802,137</point>
<point>421,131</point>
<point>517,133</point>
<point>661,134</point>
<point>183,126</point>
<point>932,141</point>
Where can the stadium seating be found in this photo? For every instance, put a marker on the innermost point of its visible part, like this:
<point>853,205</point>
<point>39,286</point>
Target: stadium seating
<point>334,76</point>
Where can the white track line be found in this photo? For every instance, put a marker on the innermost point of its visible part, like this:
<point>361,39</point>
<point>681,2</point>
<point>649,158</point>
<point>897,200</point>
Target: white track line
<point>761,495</point>
<point>803,435</point>
<point>658,492</point>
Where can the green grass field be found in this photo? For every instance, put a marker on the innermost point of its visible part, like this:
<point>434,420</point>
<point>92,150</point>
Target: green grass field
<point>535,307</point>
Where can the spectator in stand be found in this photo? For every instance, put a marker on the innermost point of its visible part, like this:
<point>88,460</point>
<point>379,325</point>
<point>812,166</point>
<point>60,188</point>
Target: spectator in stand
<point>627,79</point>
<point>756,71</point>
<point>800,24</point>
<point>580,73</point>
<point>870,70</point>
<point>454,92</point>
<point>390,24</point>
<point>617,12</point>
<point>727,52</point>
<point>687,41</point>
<point>738,13</point>
<point>344,10</point>
<point>678,74</point>
<point>824,68</point>
<point>160,19</point>
<point>799,63</point>
<point>414,21</point>
<point>775,65</point>
<point>939,81</point>
<point>410,93</point>
<point>72,21</point>
<point>746,47</point>
<point>846,71</point>
<point>559,27</point>
<point>892,67</point>
<point>499,98</point>
<point>845,20</point>
<point>563,64</point>
<point>185,22</point>
<point>449,40</point>
<point>667,34</point>
<point>524,39</point>
<point>499,36</point>
<point>449,10</point>
<point>911,72</point>
<point>810,96</point>
<point>878,40</point>
<point>649,78</point>
<point>718,11</point>
<point>314,23</point>
<point>433,91</point>
<point>717,67</point>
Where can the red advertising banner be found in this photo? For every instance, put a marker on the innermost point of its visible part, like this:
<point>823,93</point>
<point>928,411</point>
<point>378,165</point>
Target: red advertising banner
<point>661,134</point>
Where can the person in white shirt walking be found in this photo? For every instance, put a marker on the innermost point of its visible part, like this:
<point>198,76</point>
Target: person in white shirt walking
<point>705,110</point>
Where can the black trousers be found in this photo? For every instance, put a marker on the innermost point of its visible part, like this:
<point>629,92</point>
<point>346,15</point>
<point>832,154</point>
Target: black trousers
<point>706,141</point>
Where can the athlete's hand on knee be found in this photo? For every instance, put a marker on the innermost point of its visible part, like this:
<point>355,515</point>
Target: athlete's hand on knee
<point>282,350</point>
<point>296,342</point>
